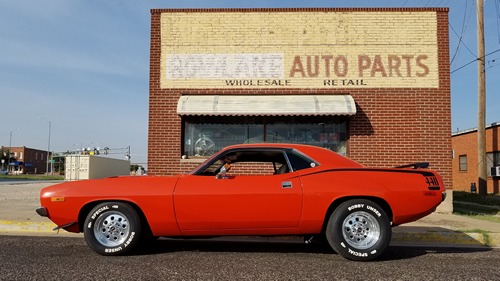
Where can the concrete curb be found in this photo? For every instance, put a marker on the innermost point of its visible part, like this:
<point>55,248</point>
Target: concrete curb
<point>36,227</point>
<point>441,238</point>
<point>448,238</point>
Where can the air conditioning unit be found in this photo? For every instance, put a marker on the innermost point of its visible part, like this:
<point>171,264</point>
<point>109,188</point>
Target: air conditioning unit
<point>495,171</point>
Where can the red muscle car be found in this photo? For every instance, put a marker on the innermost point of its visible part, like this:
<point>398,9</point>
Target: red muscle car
<point>251,189</point>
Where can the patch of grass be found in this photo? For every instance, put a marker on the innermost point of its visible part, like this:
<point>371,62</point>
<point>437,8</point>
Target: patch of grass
<point>475,230</point>
<point>479,207</point>
<point>479,217</point>
<point>490,199</point>
<point>476,209</point>
<point>31,177</point>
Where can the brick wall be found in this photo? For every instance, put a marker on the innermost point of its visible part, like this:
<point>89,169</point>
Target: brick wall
<point>466,144</point>
<point>399,120</point>
<point>36,158</point>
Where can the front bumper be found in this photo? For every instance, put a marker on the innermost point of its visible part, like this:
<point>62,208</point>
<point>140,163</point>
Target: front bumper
<point>42,211</point>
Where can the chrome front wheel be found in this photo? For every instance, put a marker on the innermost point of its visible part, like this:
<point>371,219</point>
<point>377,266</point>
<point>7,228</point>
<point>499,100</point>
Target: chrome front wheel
<point>112,228</point>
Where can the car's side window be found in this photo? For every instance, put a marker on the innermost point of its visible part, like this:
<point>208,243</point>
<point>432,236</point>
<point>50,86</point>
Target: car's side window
<point>251,168</point>
<point>211,169</point>
<point>247,162</point>
<point>300,161</point>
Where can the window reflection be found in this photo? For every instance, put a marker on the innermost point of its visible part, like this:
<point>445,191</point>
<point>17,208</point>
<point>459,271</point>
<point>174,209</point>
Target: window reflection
<point>328,135</point>
<point>205,136</point>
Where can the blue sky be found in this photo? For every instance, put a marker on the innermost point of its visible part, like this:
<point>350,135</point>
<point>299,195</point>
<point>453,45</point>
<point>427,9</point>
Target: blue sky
<point>84,65</point>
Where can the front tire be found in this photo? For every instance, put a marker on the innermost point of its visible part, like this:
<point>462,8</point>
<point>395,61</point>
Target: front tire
<point>359,230</point>
<point>112,228</point>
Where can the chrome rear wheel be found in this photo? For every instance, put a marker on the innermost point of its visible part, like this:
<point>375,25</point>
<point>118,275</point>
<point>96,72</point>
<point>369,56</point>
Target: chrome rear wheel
<point>361,230</point>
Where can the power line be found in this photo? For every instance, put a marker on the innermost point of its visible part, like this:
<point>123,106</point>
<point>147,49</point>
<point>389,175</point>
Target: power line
<point>460,41</point>
<point>464,27</point>
<point>465,24</point>
<point>474,61</point>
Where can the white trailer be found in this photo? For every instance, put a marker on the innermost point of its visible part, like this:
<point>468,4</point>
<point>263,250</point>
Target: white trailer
<point>84,167</point>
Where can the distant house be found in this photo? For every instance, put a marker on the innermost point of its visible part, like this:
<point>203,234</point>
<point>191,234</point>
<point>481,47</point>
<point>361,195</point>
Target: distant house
<point>465,159</point>
<point>24,160</point>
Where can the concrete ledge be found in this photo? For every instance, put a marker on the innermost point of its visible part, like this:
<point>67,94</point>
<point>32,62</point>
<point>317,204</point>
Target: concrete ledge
<point>13,226</point>
<point>448,238</point>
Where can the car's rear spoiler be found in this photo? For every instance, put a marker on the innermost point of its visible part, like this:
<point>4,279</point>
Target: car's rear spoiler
<point>419,165</point>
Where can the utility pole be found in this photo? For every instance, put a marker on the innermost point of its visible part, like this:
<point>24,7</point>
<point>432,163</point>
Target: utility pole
<point>48,150</point>
<point>10,140</point>
<point>481,94</point>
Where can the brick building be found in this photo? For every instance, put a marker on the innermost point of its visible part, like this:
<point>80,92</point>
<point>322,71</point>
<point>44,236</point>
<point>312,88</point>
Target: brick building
<point>465,157</point>
<point>24,160</point>
<point>370,83</point>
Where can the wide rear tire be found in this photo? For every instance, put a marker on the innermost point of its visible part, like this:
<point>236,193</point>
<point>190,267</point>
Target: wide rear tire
<point>112,228</point>
<point>359,230</point>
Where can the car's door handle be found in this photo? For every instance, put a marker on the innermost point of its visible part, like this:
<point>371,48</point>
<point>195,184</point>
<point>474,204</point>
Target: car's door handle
<point>286,184</point>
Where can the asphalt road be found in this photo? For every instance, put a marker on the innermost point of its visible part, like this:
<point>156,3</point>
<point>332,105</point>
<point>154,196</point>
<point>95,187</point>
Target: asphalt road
<point>62,258</point>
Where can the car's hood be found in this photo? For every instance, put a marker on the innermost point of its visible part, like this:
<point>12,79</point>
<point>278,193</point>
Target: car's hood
<point>129,185</point>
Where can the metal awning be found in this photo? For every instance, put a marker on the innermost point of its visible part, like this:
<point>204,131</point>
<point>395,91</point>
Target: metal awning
<point>271,105</point>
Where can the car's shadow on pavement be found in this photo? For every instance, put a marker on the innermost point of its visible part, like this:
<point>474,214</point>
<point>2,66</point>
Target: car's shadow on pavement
<point>164,245</point>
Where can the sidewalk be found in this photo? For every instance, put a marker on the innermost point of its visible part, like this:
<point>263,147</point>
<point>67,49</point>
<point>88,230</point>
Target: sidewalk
<point>18,202</point>
<point>448,230</point>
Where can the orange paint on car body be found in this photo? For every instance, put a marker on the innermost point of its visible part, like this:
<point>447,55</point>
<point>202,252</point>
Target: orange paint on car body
<point>293,203</point>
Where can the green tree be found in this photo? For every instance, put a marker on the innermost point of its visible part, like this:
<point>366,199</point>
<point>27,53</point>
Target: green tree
<point>134,167</point>
<point>4,156</point>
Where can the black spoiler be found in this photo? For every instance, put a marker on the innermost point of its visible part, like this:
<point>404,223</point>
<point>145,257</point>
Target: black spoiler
<point>419,165</point>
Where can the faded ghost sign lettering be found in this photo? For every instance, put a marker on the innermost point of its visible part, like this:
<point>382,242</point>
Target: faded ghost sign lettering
<point>274,70</point>
<point>224,66</point>
<point>339,65</point>
<point>327,66</point>
<point>301,49</point>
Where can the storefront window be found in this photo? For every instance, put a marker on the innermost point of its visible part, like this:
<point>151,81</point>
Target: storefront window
<point>205,136</point>
<point>329,135</point>
<point>206,139</point>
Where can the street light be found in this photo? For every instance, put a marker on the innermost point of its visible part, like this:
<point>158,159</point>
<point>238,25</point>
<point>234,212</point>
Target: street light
<point>48,148</point>
<point>10,141</point>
